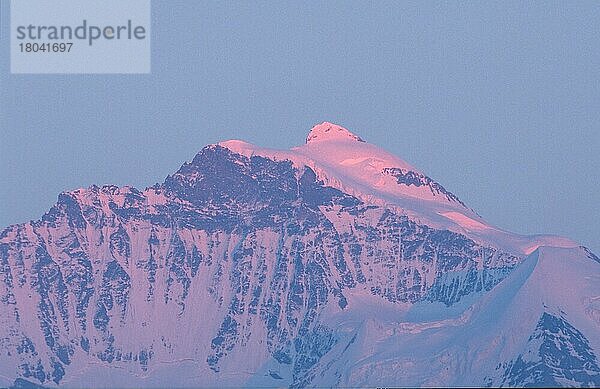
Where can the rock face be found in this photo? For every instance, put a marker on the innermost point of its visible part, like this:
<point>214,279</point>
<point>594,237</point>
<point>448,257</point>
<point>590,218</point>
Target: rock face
<point>248,269</point>
<point>557,355</point>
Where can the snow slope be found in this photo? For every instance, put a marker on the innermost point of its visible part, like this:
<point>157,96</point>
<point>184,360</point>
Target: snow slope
<point>476,346</point>
<point>344,161</point>
<point>331,264</point>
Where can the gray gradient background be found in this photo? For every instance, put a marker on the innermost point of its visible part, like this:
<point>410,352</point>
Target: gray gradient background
<point>500,102</point>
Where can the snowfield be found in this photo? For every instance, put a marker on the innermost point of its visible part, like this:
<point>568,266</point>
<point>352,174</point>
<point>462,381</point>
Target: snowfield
<point>333,264</point>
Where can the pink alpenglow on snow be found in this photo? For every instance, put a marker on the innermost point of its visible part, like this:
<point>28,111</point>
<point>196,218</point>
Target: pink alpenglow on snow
<point>345,161</point>
<point>329,131</point>
<point>344,267</point>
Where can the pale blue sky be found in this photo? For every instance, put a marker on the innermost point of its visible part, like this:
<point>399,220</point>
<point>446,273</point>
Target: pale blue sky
<point>500,102</point>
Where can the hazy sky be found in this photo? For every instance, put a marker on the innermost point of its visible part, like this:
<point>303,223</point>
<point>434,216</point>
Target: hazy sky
<point>500,102</point>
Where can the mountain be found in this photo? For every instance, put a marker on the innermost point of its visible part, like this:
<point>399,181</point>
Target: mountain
<point>334,263</point>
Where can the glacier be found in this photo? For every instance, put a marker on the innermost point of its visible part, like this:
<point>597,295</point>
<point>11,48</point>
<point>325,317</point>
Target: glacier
<point>333,264</point>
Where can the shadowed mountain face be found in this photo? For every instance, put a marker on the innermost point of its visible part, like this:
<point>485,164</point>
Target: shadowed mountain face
<point>250,270</point>
<point>557,355</point>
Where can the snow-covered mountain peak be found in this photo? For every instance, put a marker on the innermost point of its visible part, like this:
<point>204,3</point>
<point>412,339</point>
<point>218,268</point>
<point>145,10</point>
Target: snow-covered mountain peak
<point>342,160</point>
<point>327,131</point>
<point>331,255</point>
<point>239,146</point>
